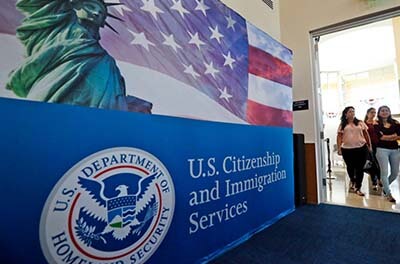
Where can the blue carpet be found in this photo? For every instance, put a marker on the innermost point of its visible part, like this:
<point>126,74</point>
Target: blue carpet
<point>323,234</point>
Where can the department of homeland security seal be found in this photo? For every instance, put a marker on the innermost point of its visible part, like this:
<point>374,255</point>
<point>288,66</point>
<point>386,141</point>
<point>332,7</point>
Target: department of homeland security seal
<point>114,206</point>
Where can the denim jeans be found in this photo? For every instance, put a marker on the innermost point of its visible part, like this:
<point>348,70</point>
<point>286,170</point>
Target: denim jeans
<point>386,157</point>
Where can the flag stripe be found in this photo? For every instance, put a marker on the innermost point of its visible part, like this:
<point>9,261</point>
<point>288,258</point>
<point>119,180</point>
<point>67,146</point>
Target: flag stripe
<point>259,114</point>
<point>258,38</point>
<point>270,80</point>
<point>269,93</point>
<point>267,66</point>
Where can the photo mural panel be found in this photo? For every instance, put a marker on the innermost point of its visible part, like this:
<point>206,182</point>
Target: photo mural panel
<point>186,58</point>
<point>116,187</point>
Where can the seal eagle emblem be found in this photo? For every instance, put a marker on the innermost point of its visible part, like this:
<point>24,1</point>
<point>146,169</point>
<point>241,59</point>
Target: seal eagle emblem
<point>115,205</point>
<point>121,209</point>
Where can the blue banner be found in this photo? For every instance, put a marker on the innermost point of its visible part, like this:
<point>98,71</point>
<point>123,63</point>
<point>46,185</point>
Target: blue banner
<point>83,185</point>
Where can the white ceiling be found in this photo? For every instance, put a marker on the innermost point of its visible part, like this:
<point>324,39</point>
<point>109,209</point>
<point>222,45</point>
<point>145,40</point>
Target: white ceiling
<point>358,49</point>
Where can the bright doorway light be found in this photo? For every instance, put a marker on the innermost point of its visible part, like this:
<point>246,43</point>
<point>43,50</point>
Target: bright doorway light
<point>358,67</point>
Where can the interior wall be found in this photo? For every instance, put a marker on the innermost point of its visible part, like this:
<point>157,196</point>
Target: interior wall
<point>298,18</point>
<point>259,14</point>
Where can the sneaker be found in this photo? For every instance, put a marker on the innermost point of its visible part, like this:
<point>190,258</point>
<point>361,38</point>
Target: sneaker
<point>375,188</point>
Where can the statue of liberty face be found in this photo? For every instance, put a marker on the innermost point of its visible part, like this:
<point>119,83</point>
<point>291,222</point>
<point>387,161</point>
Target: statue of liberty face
<point>93,11</point>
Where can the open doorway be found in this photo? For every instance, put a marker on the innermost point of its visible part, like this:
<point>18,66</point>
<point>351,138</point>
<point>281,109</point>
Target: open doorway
<point>358,67</point>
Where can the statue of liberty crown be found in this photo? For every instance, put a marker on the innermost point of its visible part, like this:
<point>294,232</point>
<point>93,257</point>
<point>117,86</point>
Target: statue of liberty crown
<point>106,4</point>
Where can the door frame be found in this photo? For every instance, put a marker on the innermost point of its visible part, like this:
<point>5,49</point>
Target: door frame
<point>314,36</point>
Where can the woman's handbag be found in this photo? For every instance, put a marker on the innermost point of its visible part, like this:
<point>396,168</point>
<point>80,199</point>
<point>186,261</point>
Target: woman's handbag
<point>371,164</point>
<point>369,161</point>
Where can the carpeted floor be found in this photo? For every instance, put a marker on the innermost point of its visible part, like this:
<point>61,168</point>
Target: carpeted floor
<point>323,234</point>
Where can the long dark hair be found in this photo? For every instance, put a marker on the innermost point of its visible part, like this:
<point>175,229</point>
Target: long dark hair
<point>390,119</point>
<point>366,115</point>
<point>343,119</point>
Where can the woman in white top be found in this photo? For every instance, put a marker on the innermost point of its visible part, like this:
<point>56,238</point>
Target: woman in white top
<point>352,141</point>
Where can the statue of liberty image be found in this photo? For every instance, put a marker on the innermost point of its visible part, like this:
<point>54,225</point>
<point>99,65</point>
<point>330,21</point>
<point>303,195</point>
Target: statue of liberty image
<point>65,62</point>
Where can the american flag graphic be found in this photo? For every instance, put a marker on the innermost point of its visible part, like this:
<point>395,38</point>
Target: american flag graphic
<point>200,59</point>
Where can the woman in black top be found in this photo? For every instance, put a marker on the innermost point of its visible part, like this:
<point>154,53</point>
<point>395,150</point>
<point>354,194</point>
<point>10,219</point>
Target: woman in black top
<point>387,152</point>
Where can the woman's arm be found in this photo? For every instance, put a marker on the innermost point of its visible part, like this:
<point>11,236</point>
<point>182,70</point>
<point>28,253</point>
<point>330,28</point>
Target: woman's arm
<point>392,137</point>
<point>397,133</point>
<point>339,142</point>
<point>368,139</point>
<point>380,135</point>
